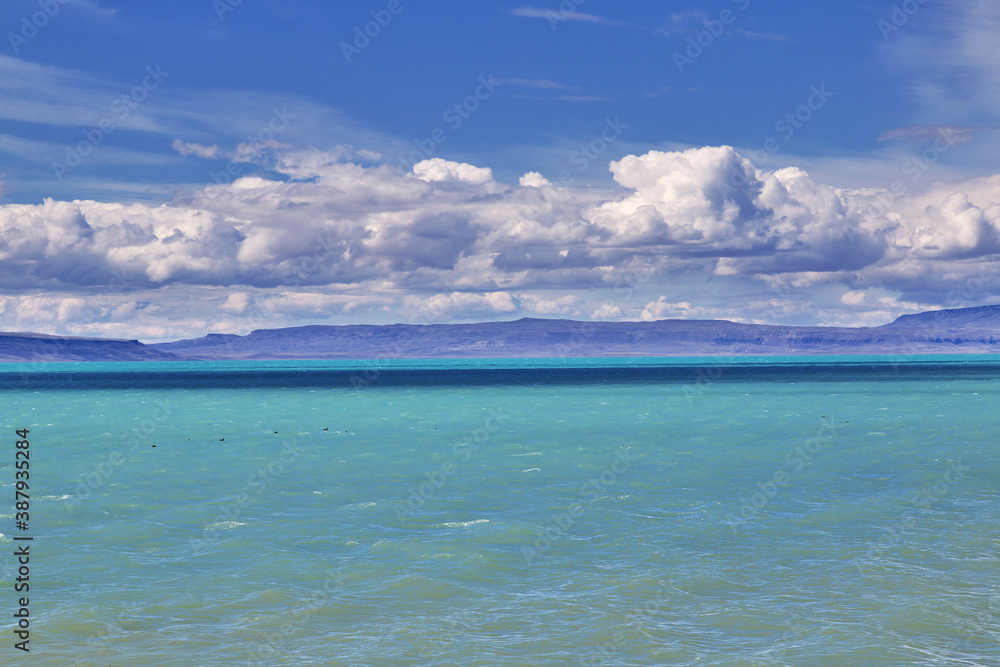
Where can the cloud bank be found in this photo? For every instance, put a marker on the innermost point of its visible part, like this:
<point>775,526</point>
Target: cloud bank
<point>695,233</point>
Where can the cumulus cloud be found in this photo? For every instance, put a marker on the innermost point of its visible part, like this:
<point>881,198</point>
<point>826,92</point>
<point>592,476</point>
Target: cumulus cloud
<point>533,179</point>
<point>695,195</point>
<point>437,169</point>
<point>870,307</point>
<point>237,303</point>
<point>568,305</point>
<point>663,309</point>
<point>333,237</point>
<point>607,311</point>
<point>459,305</point>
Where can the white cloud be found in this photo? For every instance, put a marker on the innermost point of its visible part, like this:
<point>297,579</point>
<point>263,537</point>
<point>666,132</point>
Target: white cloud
<point>962,82</point>
<point>291,304</point>
<point>769,36</point>
<point>853,298</point>
<point>536,83</point>
<point>95,9</point>
<point>568,305</point>
<point>437,169</point>
<point>337,239</point>
<point>198,150</point>
<point>533,179</point>
<point>459,305</point>
<point>239,120</point>
<point>556,16</point>
<point>699,194</point>
<point>663,309</point>
<point>606,312</point>
<point>237,303</point>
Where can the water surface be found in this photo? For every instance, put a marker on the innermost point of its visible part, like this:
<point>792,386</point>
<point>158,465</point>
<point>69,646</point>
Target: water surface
<point>770,511</point>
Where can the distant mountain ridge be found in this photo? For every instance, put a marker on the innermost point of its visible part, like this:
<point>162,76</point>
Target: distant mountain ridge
<point>980,316</point>
<point>42,347</point>
<point>953,331</point>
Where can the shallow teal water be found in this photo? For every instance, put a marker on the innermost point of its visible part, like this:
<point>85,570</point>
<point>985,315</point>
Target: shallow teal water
<point>784,511</point>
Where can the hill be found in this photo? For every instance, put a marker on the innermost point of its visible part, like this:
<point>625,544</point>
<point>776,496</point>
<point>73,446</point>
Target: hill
<point>42,347</point>
<point>558,338</point>
<point>982,316</point>
<point>956,331</point>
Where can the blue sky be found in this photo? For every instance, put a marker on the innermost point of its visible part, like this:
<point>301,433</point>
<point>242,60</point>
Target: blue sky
<point>120,120</point>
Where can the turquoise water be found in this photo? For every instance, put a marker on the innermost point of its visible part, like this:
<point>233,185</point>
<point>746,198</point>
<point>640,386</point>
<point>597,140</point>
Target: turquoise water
<point>781,511</point>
